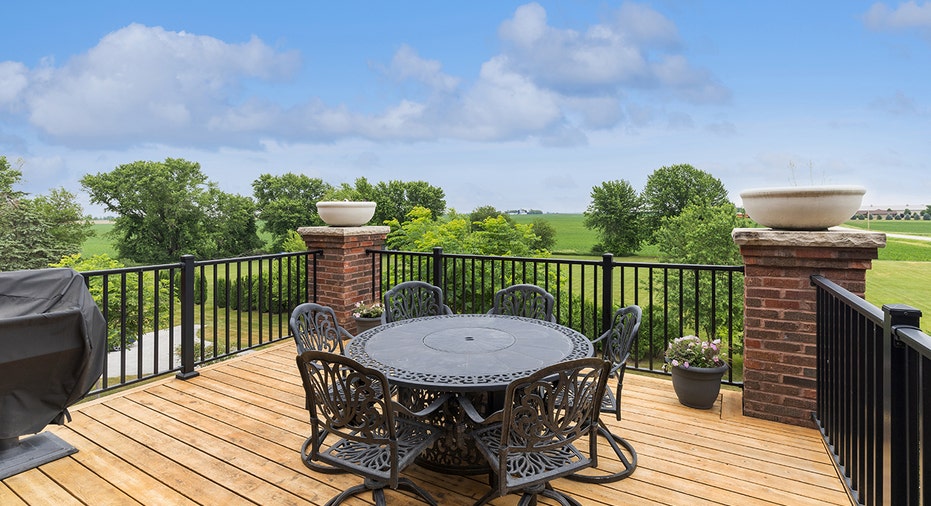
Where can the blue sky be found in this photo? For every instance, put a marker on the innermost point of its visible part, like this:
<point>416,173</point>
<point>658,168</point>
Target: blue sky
<point>510,104</point>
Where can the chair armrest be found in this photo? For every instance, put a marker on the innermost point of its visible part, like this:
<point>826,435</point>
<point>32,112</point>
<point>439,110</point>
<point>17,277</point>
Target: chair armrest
<point>448,309</point>
<point>436,404</point>
<point>473,414</point>
<point>602,337</point>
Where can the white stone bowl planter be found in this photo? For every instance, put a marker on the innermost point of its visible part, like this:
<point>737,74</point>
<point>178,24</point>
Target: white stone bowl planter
<point>802,207</point>
<point>345,213</point>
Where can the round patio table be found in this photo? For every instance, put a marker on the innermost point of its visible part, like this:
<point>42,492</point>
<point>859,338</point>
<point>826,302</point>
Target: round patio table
<point>467,354</point>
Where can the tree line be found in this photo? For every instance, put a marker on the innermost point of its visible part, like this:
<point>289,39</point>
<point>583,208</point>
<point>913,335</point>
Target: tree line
<point>168,208</point>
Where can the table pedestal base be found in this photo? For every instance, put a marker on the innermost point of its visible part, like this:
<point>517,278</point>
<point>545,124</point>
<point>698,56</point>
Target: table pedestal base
<point>454,452</point>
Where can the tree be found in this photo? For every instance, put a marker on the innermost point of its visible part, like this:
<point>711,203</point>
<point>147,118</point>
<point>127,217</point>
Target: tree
<point>546,234</point>
<point>36,232</point>
<point>167,209</point>
<point>614,213</point>
<point>395,199</point>
<point>287,202</point>
<point>670,189</point>
<point>479,214</point>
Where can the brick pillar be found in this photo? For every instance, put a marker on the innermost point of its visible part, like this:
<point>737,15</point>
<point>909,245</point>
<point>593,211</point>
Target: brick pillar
<point>779,311</point>
<point>344,274</point>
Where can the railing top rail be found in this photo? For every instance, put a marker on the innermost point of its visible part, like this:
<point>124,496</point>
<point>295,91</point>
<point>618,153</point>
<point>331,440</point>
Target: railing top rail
<point>915,339</point>
<point>138,268</point>
<point>258,257</point>
<point>861,306</point>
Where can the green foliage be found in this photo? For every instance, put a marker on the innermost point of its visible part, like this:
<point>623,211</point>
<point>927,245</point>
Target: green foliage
<point>546,235</point>
<point>396,199</point>
<point>669,190</point>
<point>36,232</point>
<point>701,235</point>
<point>615,213</point>
<point>287,202</point>
<point>124,310</point>
<point>167,209</point>
<point>480,213</point>
<point>453,233</point>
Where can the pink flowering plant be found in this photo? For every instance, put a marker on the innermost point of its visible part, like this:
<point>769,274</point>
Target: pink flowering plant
<point>690,351</point>
<point>372,310</point>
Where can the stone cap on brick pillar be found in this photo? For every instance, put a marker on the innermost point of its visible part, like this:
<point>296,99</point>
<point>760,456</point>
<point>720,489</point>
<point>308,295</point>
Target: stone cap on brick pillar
<point>343,231</point>
<point>835,237</point>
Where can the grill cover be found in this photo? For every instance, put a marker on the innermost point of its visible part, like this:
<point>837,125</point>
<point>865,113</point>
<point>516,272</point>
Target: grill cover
<point>52,346</point>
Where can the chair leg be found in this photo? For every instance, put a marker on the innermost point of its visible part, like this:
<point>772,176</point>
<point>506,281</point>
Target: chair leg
<point>349,492</point>
<point>530,497</point>
<point>622,448</point>
<point>406,483</point>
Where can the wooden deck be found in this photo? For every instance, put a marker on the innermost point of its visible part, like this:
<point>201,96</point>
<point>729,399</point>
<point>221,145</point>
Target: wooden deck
<point>232,435</point>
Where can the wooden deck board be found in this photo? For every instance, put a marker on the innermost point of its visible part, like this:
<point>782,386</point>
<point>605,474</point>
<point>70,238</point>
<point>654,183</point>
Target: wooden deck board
<point>232,436</point>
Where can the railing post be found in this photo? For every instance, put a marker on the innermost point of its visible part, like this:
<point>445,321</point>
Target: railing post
<point>607,295</point>
<point>895,405</point>
<point>438,266</point>
<point>187,318</point>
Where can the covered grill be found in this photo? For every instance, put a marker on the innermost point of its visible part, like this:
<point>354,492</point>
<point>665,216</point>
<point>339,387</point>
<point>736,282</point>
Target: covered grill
<point>52,347</point>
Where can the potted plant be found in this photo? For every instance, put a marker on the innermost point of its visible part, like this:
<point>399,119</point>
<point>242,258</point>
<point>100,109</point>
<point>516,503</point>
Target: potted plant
<point>344,207</point>
<point>367,316</point>
<point>697,367</point>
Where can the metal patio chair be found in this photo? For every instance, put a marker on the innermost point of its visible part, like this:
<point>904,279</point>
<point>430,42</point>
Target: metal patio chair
<point>314,327</point>
<point>531,441</point>
<point>615,348</point>
<point>355,428</point>
<point>526,300</point>
<point>412,299</point>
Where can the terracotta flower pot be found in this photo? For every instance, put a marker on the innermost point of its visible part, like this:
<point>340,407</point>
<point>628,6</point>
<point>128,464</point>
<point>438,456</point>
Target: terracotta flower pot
<point>697,387</point>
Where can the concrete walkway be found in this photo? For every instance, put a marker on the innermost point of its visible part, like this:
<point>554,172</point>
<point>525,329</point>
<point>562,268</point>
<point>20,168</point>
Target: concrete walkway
<point>151,347</point>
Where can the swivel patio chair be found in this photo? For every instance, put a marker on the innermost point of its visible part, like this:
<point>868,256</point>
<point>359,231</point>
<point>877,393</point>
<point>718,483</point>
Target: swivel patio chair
<point>314,327</point>
<point>526,300</point>
<point>375,437</point>
<point>412,299</point>
<point>615,347</point>
<point>531,441</point>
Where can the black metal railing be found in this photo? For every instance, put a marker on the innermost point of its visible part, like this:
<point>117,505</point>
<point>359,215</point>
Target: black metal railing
<point>677,299</point>
<point>874,374</point>
<point>175,317</point>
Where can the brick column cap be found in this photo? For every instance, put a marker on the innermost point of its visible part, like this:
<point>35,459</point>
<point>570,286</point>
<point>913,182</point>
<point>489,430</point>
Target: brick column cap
<point>834,237</point>
<point>343,231</point>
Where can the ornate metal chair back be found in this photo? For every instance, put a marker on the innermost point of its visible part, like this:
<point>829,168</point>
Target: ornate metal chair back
<point>543,415</point>
<point>413,299</point>
<point>314,327</point>
<point>526,300</point>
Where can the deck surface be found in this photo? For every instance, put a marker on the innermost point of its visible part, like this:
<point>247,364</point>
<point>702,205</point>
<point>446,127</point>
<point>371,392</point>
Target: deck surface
<point>232,436</point>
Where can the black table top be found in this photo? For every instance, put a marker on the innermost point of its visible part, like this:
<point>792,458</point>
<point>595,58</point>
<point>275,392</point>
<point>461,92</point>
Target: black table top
<point>465,352</point>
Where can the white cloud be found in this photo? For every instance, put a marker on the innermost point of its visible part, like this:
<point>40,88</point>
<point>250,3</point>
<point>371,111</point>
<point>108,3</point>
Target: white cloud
<point>13,80</point>
<point>142,82</point>
<point>407,64</point>
<point>629,52</point>
<point>908,15</point>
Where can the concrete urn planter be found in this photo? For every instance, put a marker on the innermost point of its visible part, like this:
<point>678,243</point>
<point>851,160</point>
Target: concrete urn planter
<point>802,207</point>
<point>345,213</point>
